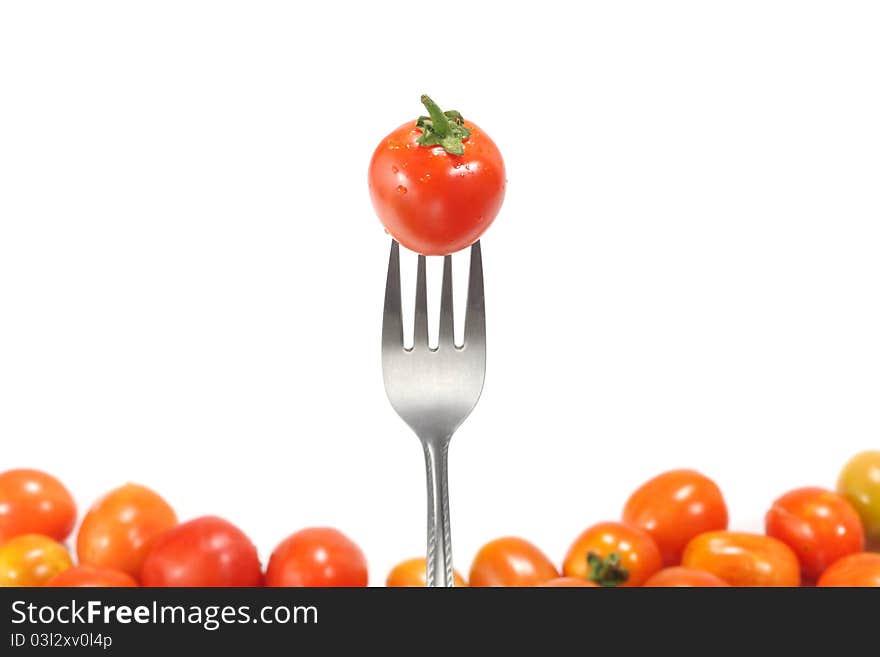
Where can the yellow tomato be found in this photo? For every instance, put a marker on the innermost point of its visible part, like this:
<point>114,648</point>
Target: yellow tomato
<point>32,560</point>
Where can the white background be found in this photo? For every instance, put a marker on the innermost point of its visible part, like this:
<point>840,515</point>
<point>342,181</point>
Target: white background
<point>685,271</point>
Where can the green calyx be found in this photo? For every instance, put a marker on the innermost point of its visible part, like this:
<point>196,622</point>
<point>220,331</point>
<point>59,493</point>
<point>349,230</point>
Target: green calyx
<point>441,128</point>
<point>607,571</point>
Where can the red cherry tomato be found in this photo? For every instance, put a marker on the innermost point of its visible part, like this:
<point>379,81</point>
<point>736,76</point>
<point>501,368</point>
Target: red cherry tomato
<point>31,560</point>
<point>613,554</point>
<point>860,569</point>
<point>119,528</point>
<point>683,577</point>
<point>413,572</point>
<point>674,507</point>
<point>820,526</point>
<point>511,561</point>
<point>318,556</point>
<point>87,576</point>
<point>742,559</point>
<point>437,198</point>
<point>207,551</point>
<point>34,502</point>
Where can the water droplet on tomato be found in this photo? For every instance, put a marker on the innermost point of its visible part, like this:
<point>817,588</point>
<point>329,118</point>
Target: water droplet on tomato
<point>425,178</point>
<point>394,169</point>
<point>401,189</point>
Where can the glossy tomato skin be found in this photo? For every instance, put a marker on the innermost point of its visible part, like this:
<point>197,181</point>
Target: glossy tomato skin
<point>639,555</point>
<point>207,551</point>
<point>88,576</point>
<point>413,572</point>
<point>859,482</point>
<point>677,577</point>
<point>119,528</point>
<point>317,556</point>
<point>820,526</point>
<point>32,560</point>
<point>860,569</point>
<point>34,502</point>
<point>431,201</point>
<point>674,507</point>
<point>743,559</point>
<point>569,582</point>
<point>511,561</point>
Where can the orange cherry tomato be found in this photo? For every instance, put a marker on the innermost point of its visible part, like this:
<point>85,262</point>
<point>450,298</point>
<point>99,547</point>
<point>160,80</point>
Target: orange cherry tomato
<point>120,527</point>
<point>31,560</point>
<point>412,572</point>
<point>88,576</point>
<point>34,502</point>
<point>860,569</point>
<point>673,508</point>
<point>432,200</point>
<point>820,526</point>
<point>511,561</point>
<point>613,554</point>
<point>859,482</point>
<point>317,556</point>
<point>566,582</point>
<point>683,577</point>
<point>743,559</point>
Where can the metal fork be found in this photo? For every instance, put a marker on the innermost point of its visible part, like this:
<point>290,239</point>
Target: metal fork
<point>434,390</point>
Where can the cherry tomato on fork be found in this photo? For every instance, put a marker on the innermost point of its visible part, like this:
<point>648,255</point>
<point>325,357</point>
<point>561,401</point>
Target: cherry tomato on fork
<point>674,507</point>
<point>820,526</point>
<point>317,556</point>
<point>34,502</point>
<point>437,183</point>
<point>511,561</point>
<point>207,551</point>
<point>31,560</point>
<point>120,527</point>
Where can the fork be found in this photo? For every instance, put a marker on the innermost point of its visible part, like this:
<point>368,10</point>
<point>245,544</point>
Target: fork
<point>434,390</point>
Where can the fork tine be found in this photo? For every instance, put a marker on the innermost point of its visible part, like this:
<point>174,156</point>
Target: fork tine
<point>420,334</point>
<point>392,318</point>
<point>447,331</point>
<point>475,318</point>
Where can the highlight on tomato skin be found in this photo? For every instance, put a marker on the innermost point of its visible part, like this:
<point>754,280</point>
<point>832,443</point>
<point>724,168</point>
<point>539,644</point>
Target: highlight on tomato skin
<point>861,569</point>
<point>437,183</point>
<point>744,559</point>
<point>34,502</point>
<point>819,525</point>
<point>511,561</point>
<point>32,560</point>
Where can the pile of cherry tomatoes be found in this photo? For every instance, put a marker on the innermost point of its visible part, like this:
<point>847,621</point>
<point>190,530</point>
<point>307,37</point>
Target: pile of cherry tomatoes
<point>673,532</point>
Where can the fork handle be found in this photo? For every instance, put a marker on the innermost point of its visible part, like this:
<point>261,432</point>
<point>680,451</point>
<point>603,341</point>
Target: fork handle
<point>439,561</point>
